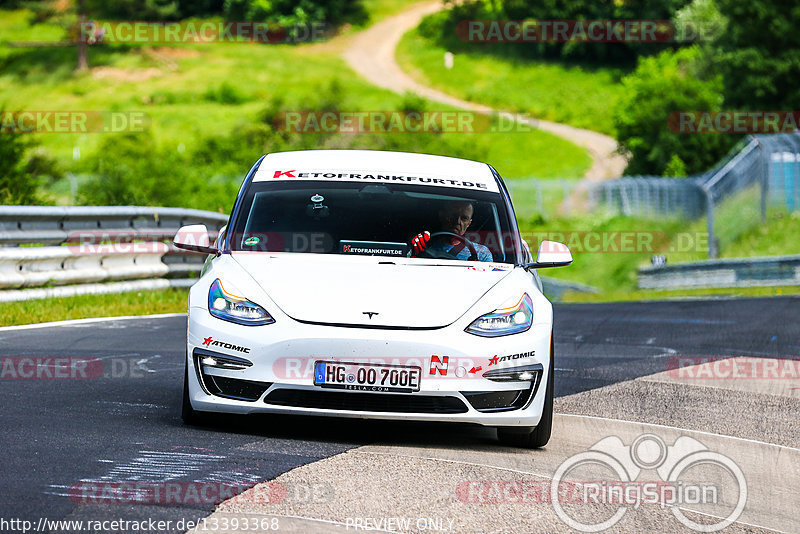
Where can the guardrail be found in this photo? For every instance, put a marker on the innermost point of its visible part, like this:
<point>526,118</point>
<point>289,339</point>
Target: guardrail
<point>555,288</point>
<point>64,251</point>
<point>732,272</point>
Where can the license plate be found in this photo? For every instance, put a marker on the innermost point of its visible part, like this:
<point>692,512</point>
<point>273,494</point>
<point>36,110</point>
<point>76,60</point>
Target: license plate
<point>367,377</point>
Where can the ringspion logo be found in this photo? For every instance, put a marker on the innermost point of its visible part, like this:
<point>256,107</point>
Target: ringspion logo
<point>688,478</point>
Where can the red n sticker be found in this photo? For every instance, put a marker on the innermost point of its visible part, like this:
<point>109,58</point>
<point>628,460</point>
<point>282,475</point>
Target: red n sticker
<point>439,364</point>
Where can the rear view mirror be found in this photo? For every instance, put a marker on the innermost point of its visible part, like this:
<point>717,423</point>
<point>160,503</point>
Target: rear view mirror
<point>194,238</point>
<point>551,254</point>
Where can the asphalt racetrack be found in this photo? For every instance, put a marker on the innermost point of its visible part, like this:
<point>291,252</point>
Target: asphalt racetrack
<point>123,424</point>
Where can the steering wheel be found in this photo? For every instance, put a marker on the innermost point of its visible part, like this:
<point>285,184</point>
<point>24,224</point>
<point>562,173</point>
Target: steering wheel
<point>442,255</point>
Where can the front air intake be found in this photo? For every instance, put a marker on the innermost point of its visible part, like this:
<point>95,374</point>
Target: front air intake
<point>365,402</point>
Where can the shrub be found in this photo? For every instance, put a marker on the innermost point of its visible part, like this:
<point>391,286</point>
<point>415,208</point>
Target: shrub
<point>759,54</point>
<point>659,86</point>
<point>303,12</point>
<point>441,27</point>
<point>23,168</point>
<point>131,169</point>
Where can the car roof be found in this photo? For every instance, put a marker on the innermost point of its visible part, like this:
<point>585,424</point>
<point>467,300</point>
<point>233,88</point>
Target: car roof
<point>376,166</point>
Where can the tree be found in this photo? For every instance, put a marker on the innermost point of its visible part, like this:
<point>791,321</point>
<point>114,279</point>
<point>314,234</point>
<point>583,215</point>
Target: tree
<point>759,55</point>
<point>72,16</point>
<point>23,167</point>
<point>289,12</point>
<point>132,169</point>
<point>661,85</point>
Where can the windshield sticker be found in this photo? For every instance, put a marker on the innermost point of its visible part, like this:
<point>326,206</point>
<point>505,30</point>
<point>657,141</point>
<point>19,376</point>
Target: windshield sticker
<point>490,267</point>
<point>251,241</point>
<point>295,174</point>
<point>373,248</point>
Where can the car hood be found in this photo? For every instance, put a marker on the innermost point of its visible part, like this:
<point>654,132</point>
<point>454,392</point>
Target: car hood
<point>402,293</point>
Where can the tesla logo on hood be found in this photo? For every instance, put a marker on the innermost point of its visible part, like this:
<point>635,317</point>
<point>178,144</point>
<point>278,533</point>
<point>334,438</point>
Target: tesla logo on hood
<point>370,314</point>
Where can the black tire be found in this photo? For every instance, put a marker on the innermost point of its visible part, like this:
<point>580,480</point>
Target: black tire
<point>189,415</point>
<point>538,436</point>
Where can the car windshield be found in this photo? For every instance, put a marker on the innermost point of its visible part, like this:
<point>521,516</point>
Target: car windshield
<point>374,219</point>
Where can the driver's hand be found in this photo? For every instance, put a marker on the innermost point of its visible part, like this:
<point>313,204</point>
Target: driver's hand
<point>420,241</point>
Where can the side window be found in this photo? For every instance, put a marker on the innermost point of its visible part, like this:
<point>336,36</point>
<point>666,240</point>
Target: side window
<point>220,236</point>
<point>526,251</point>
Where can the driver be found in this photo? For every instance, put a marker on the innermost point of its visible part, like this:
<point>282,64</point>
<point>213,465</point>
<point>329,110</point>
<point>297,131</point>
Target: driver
<point>455,217</point>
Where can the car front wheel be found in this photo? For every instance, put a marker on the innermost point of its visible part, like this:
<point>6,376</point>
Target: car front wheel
<point>538,436</point>
<point>189,415</point>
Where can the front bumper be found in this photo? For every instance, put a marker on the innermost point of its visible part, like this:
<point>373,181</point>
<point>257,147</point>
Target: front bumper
<point>282,356</point>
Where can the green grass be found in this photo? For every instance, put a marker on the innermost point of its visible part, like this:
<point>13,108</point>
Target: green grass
<point>614,274</point>
<point>610,268</point>
<point>381,9</point>
<point>741,233</point>
<point>189,101</point>
<point>639,295</point>
<point>779,236</point>
<point>84,306</point>
<point>533,197</point>
<point>16,26</point>
<point>576,95</point>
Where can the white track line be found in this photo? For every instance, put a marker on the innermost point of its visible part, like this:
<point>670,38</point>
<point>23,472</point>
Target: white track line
<point>705,433</point>
<point>89,320</point>
<point>550,477</point>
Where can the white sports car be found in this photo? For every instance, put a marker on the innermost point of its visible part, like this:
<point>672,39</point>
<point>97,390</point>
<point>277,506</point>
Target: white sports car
<point>377,285</point>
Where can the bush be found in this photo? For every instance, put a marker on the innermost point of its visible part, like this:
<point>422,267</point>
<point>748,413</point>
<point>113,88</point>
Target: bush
<point>441,27</point>
<point>135,169</point>
<point>287,12</point>
<point>131,169</point>
<point>23,168</point>
<point>759,54</point>
<point>293,12</point>
<point>226,93</point>
<point>658,87</point>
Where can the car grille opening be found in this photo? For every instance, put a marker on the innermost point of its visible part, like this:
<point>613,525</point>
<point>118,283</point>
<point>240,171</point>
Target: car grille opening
<point>366,402</point>
<point>498,401</point>
<point>234,388</point>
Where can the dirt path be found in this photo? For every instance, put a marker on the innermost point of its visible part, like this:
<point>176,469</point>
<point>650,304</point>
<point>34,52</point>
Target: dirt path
<point>371,53</point>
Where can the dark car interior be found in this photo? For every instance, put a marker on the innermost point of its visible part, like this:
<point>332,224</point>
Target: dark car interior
<point>319,219</point>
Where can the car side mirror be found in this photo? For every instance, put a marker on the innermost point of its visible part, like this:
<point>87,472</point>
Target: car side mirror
<point>551,254</point>
<point>194,238</point>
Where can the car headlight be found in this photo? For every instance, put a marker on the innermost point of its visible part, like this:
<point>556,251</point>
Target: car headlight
<point>227,307</point>
<point>505,321</point>
<point>526,373</point>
